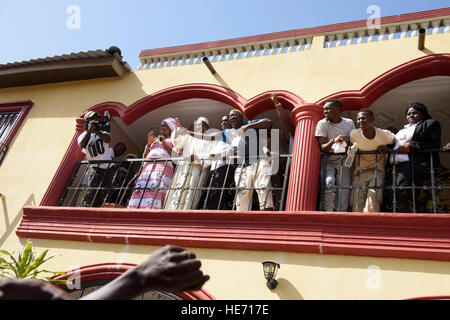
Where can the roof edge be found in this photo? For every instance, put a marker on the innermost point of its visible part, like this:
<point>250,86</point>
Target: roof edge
<point>295,33</point>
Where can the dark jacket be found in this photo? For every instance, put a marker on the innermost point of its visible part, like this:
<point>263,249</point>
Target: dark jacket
<point>427,135</point>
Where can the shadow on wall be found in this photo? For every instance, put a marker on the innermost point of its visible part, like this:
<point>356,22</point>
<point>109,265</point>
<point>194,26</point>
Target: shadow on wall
<point>287,291</point>
<point>11,226</point>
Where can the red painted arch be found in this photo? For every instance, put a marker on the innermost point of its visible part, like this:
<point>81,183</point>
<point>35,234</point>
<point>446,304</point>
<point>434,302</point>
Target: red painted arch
<point>251,108</point>
<point>424,67</point>
<point>168,96</point>
<point>110,271</point>
<point>432,298</point>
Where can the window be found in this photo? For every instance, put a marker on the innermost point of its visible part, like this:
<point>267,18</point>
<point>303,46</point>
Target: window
<point>11,116</point>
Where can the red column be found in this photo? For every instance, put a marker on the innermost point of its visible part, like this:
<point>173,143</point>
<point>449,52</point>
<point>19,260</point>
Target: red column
<point>304,176</point>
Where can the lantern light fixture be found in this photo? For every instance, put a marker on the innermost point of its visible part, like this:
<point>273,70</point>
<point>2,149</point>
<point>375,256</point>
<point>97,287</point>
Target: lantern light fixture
<point>270,269</point>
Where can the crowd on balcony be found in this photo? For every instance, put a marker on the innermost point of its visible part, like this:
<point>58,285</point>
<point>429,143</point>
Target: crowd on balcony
<point>391,167</point>
<point>234,169</point>
<point>195,168</point>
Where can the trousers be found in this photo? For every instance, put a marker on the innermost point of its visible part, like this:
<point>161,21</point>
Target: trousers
<point>255,176</point>
<point>336,199</point>
<point>368,198</point>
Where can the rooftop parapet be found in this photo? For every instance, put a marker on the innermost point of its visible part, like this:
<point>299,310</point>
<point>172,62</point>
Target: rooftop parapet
<point>295,41</point>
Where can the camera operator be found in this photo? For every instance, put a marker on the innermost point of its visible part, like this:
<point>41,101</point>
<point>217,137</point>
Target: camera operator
<point>95,144</point>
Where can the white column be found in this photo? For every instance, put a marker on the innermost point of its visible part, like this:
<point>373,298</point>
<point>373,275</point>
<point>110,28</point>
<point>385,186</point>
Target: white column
<point>141,65</point>
<point>230,54</point>
<point>425,25</point>
<point>192,58</point>
<point>436,25</point>
<point>148,64</point>
<point>265,50</point>
<point>404,30</point>
<point>361,35</point>
<point>415,30</point>
<point>292,45</point>
<point>155,63</point>
<point>212,55</point>
<point>161,64</point>
<point>382,33</point>
<point>350,37</point>
<point>239,51</point>
<point>183,60</point>
<point>371,37</point>
<point>340,40</point>
<point>274,46</point>
<point>447,26</point>
<point>331,38</point>
<point>283,45</point>
<point>392,31</point>
<point>222,53</point>
<point>199,58</point>
<point>248,52</point>
<point>308,43</point>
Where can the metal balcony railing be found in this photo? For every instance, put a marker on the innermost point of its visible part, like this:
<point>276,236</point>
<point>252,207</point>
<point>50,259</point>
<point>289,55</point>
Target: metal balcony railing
<point>431,194</point>
<point>116,184</point>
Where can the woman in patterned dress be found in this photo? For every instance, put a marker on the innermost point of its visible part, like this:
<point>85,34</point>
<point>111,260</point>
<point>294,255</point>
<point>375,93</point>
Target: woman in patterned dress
<point>156,176</point>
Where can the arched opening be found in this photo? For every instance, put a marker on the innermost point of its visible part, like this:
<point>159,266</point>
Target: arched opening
<point>429,66</point>
<point>433,92</point>
<point>424,80</point>
<point>189,102</point>
<point>87,279</point>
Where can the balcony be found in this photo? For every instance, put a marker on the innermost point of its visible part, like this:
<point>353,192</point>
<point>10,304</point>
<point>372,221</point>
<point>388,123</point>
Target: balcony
<point>431,195</point>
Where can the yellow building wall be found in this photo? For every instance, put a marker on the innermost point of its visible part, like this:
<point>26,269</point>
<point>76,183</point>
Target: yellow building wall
<point>43,138</point>
<point>238,274</point>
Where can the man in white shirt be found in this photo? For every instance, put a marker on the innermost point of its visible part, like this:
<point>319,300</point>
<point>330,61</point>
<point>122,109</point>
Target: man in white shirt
<point>333,134</point>
<point>369,168</point>
<point>95,144</point>
<point>251,172</point>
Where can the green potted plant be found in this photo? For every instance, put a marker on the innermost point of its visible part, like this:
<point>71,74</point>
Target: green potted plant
<point>26,265</point>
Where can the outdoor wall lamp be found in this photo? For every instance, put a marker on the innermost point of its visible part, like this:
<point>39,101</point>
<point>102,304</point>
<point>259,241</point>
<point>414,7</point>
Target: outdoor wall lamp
<point>209,65</point>
<point>422,33</point>
<point>270,272</point>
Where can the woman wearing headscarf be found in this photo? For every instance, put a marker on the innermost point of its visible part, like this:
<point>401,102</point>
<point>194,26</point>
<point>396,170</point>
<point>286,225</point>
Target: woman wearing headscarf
<point>155,177</point>
<point>421,133</point>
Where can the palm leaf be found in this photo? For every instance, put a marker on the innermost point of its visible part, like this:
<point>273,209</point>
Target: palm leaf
<point>24,259</point>
<point>66,282</point>
<point>39,261</point>
<point>10,255</point>
<point>9,265</point>
<point>26,265</point>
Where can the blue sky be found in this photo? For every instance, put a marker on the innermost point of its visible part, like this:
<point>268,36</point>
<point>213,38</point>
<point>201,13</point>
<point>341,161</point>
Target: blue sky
<point>37,29</point>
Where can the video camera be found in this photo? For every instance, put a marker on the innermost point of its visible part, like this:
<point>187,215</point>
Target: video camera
<point>101,124</point>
